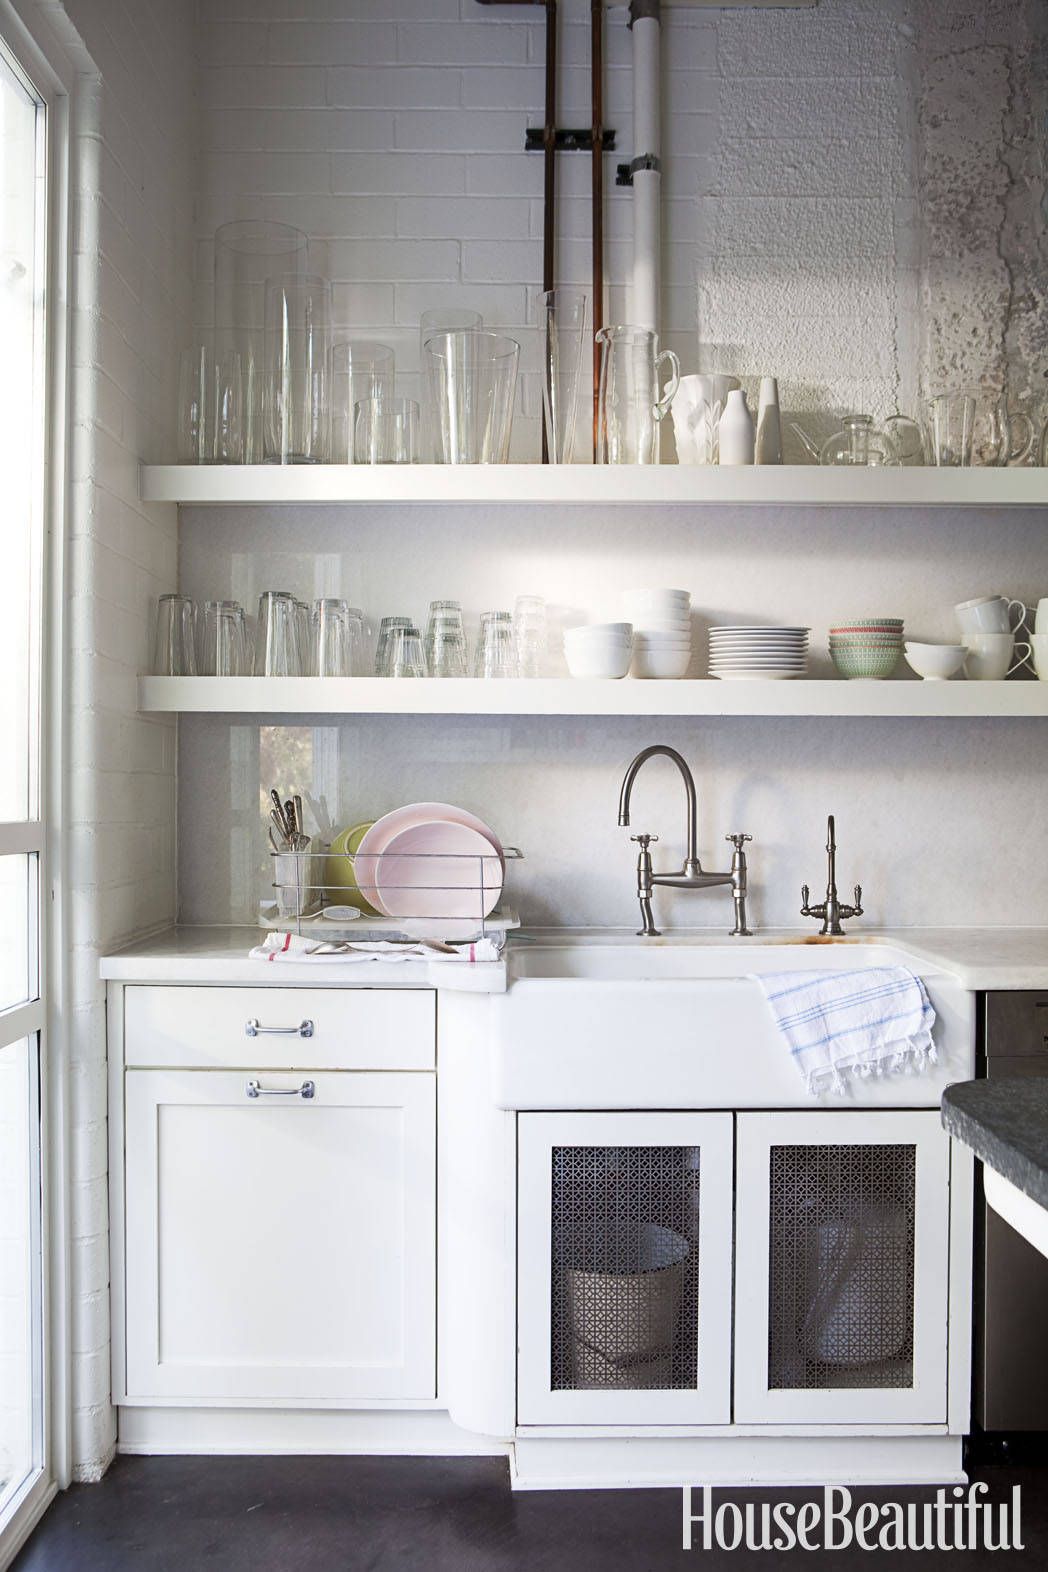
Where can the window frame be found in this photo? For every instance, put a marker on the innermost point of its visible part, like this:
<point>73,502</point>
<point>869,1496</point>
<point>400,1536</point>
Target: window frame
<point>42,59</point>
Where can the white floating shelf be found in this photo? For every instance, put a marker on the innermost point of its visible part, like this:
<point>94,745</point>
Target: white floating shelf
<point>799,485</point>
<point>565,696</point>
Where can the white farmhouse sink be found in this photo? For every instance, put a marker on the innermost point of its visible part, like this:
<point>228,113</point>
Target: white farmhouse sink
<point>681,1023</point>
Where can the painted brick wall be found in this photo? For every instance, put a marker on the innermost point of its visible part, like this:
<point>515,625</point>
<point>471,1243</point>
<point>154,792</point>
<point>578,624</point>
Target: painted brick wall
<point>131,309</point>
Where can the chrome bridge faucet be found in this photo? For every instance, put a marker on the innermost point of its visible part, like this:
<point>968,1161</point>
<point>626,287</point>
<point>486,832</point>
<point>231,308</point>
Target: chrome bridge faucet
<point>692,876</point>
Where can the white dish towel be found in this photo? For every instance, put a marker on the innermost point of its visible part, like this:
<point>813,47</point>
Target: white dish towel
<point>872,1022</point>
<point>292,947</point>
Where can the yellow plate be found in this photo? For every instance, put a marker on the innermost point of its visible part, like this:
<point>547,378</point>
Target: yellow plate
<point>339,873</point>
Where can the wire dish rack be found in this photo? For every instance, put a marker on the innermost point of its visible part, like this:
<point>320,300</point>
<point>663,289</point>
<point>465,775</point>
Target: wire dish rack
<point>435,895</point>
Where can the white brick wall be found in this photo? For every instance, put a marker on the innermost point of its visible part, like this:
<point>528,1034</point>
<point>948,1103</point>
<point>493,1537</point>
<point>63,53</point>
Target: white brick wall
<point>131,312</point>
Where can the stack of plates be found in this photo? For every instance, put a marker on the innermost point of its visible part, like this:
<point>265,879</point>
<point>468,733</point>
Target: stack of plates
<point>661,621</point>
<point>749,652</point>
<point>436,866</point>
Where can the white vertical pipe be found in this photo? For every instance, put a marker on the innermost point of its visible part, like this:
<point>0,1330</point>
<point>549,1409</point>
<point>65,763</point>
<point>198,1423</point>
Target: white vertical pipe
<point>647,144</point>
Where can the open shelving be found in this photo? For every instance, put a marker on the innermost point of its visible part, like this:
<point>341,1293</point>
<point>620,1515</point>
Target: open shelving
<point>568,696</point>
<point>797,485</point>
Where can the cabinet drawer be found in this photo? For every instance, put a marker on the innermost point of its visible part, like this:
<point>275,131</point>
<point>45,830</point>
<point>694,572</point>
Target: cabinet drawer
<point>315,1028</point>
<point>1016,1023</point>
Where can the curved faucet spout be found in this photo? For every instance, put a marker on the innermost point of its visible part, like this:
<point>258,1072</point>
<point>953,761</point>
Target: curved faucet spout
<point>691,862</point>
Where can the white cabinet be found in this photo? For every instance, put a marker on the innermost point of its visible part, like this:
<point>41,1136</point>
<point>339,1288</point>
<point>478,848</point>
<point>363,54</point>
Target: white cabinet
<point>624,1268</point>
<point>842,1268</point>
<point>279,1247</point>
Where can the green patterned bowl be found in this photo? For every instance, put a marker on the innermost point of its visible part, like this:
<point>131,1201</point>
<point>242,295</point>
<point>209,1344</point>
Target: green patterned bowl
<point>865,662</point>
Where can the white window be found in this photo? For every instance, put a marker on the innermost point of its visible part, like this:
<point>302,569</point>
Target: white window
<point>24,389</point>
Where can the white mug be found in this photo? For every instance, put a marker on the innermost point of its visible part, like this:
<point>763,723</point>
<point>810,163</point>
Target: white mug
<point>990,614</point>
<point>989,657</point>
<point>1040,620</point>
<point>1039,648</point>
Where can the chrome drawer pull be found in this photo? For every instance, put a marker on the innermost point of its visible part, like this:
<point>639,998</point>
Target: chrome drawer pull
<point>303,1029</point>
<point>307,1090</point>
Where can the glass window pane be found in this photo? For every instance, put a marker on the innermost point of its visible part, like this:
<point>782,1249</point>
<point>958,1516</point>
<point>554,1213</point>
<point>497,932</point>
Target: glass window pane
<point>19,1268</point>
<point>17,930</point>
<point>21,433</point>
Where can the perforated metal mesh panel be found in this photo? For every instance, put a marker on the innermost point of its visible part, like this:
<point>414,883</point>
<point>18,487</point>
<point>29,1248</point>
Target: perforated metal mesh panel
<point>841,1266</point>
<point>625,1262</point>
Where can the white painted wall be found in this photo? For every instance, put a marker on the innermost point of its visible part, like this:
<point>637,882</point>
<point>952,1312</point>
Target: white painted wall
<point>131,308</point>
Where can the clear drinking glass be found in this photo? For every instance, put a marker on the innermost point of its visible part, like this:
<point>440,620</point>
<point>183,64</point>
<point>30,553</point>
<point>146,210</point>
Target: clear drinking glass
<point>951,427</point>
<point>360,369</point>
<point>174,654</point>
<point>440,319</point>
<point>530,635</point>
<point>192,406</point>
<point>247,253</point>
<point>471,379</point>
<point>446,648</point>
<point>278,652</point>
<point>335,644</point>
<point>387,431</point>
<point>386,629</point>
<point>221,648</point>
<point>563,319</point>
<point>405,653</point>
<point>630,407</point>
<point>496,648</point>
<point>298,370</point>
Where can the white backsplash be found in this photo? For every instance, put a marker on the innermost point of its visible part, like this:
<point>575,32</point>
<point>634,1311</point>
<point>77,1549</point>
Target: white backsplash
<point>921,806</point>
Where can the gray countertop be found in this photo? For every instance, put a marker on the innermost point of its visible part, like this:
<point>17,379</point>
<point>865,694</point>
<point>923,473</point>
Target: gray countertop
<point>1005,1122</point>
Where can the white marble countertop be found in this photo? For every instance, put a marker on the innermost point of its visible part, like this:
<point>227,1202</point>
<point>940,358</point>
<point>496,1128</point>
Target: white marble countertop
<point>980,958</point>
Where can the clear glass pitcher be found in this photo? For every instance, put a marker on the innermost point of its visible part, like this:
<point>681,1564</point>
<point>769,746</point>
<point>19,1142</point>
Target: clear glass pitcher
<point>630,409</point>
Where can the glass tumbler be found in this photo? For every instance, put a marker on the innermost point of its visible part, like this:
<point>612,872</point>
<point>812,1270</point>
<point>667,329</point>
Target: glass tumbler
<point>360,369</point>
<point>277,649</point>
<point>386,629</point>
<point>386,431</point>
<point>334,639</point>
<point>405,653</point>
<point>529,630</point>
<point>439,319</point>
<point>247,253</point>
<point>173,646</point>
<point>496,648</point>
<point>563,321</point>
<point>221,641</point>
<point>210,413</point>
<point>298,370</point>
<point>471,380</point>
<point>951,428</point>
<point>446,646</point>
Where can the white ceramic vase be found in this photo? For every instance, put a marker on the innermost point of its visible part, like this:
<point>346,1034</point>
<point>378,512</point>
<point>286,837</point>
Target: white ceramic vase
<point>737,436</point>
<point>769,424</point>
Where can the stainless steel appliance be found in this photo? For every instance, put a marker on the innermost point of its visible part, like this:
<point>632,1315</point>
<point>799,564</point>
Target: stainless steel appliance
<point>1011,1305</point>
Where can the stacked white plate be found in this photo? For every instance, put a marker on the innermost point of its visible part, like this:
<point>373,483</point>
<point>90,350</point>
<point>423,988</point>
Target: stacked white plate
<point>740,653</point>
<point>661,621</point>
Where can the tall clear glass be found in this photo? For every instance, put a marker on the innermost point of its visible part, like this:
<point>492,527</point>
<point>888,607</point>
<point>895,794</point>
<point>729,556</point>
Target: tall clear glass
<point>563,322</point>
<point>278,650</point>
<point>472,382</point>
<point>298,370</point>
<point>247,253</point>
<point>174,643</point>
<point>439,319</point>
<point>360,369</point>
<point>210,407</point>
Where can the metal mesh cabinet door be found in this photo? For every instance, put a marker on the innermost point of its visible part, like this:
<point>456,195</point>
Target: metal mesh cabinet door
<point>624,1268</point>
<point>843,1256</point>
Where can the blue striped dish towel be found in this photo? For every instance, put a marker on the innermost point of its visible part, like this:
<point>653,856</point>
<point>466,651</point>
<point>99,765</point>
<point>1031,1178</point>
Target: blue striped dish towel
<point>872,1022</point>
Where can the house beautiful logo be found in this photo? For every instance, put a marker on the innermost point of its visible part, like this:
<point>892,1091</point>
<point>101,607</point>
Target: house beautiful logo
<point>956,1519</point>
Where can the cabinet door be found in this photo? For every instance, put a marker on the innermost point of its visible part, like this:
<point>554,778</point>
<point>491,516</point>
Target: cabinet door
<point>280,1247</point>
<point>842,1265</point>
<point>624,1268</point>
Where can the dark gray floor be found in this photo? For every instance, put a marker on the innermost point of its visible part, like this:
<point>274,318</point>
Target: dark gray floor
<point>310,1514</point>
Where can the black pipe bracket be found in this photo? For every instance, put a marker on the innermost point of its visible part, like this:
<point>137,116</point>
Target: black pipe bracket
<point>578,139</point>
<point>625,172</point>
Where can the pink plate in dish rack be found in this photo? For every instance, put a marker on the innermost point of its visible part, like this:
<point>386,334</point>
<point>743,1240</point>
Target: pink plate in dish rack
<point>439,870</point>
<point>411,816</point>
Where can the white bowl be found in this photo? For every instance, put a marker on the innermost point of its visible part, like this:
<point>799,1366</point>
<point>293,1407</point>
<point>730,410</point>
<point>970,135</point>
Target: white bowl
<point>662,625</point>
<point>610,663</point>
<point>661,663</point>
<point>935,662</point>
<point>662,641</point>
<point>647,596</point>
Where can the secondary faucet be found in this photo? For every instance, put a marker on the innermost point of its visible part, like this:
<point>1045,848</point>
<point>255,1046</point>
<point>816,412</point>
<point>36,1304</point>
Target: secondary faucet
<point>691,876</point>
<point>831,910</point>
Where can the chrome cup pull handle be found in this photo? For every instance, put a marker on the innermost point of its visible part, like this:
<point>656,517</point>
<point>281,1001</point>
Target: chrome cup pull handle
<point>307,1090</point>
<point>253,1028</point>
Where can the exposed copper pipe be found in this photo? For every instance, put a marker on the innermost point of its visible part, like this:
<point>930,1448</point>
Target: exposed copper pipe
<point>597,184</point>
